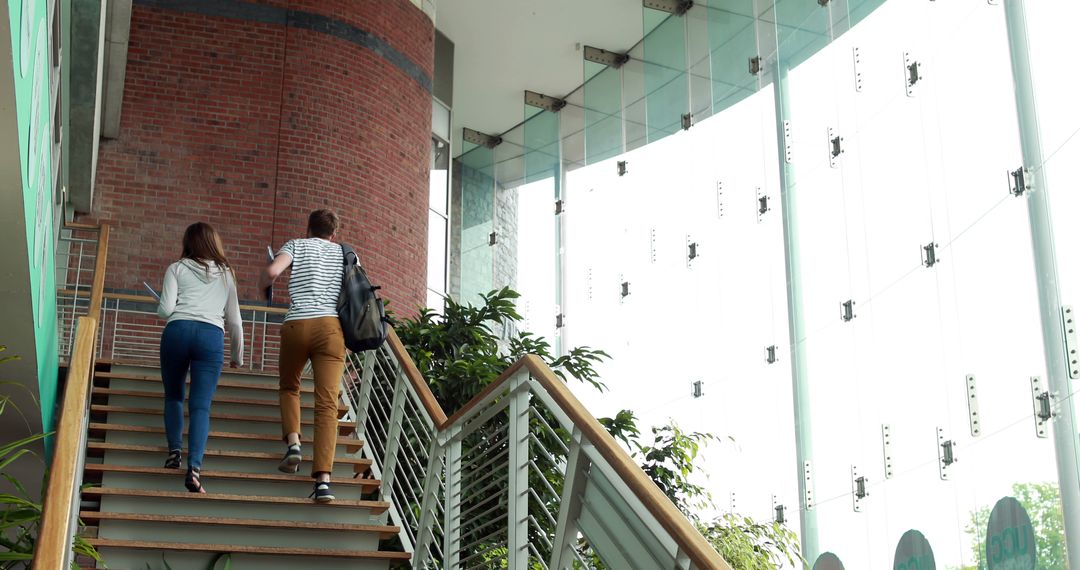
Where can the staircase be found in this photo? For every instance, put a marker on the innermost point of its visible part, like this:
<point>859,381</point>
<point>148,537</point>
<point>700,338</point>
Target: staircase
<point>139,513</point>
<point>522,477</point>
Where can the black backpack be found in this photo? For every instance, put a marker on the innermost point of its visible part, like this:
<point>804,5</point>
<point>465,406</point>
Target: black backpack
<point>363,317</point>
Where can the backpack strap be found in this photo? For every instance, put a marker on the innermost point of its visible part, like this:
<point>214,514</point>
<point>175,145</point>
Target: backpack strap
<point>346,251</point>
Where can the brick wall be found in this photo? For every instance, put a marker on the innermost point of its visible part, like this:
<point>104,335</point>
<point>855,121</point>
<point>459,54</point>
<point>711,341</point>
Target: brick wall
<point>249,125</point>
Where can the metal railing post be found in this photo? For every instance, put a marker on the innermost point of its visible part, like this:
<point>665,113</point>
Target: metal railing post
<point>363,399</point>
<point>566,530</point>
<point>517,539</point>
<point>393,436</point>
<point>424,532</point>
<point>452,508</point>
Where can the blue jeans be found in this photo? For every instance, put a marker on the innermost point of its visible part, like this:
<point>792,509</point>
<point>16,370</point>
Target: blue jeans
<point>200,348</point>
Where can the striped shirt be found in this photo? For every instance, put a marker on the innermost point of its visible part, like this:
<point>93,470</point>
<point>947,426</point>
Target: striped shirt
<point>316,278</point>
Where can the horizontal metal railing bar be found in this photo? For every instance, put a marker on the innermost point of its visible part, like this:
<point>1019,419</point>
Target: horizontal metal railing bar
<point>551,431</point>
<point>150,300</point>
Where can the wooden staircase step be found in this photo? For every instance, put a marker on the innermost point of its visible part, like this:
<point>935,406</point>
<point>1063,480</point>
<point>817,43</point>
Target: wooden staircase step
<point>376,507</point>
<point>154,368</point>
<point>359,465</point>
<point>344,427</point>
<point>239,549</point>
<point>352,445</point>
<point>363,482</point>
<point>98,390</point>
<point>383,530</point>
<point>222,383</point>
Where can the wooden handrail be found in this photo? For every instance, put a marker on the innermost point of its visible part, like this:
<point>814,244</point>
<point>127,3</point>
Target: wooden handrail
<point>149,299</point>
<point>423,390</point>
<point>655,501</point>
<point>98,288</point>
<point>61,495</point>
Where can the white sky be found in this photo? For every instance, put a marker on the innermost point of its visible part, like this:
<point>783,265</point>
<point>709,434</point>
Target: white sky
<point>915,169</point>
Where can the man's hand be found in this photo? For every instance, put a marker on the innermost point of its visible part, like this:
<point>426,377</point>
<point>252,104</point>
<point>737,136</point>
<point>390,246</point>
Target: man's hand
<point>234,364</point>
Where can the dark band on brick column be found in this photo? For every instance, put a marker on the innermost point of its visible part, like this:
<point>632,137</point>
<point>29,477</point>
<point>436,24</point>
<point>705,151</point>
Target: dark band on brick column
<point>239,10</point>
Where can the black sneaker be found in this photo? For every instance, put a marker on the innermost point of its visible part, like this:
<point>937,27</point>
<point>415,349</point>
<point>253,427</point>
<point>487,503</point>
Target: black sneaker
<point>291,462</point>
<point>322,493</point>
<point>174,461</point>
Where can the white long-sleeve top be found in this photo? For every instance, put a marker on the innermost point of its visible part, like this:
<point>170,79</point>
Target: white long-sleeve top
<point>193,293</point>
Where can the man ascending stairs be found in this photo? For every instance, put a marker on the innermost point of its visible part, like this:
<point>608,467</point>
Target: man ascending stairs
<point>311,332</point>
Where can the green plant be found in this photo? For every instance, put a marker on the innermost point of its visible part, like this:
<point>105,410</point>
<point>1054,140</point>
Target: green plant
<point>227,557</point>
<point>20,518</point>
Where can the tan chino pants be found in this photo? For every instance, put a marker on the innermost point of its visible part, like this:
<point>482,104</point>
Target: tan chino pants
<point>319,340</point>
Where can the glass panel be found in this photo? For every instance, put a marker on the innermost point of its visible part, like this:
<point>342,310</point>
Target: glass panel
<point>440,119</point>
<point>541,141</point>
<point>603,112</point>
<point>436,270</point>
<point>477,223</point>
<point>698,60</point>
<point>439,179</point>
<point>634,110</point>
<point>536,257</point>
<point>882,171</point>
<point>666,86</point>
<point>732,42</point>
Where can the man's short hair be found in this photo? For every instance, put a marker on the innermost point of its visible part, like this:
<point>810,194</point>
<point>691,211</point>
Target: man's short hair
<point>322,223</point>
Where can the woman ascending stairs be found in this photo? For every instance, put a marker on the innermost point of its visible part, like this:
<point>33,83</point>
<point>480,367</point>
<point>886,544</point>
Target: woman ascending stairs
<point>198,298</point>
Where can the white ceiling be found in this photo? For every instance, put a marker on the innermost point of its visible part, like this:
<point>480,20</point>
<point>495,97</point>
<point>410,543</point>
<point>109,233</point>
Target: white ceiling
<point>503,47</point>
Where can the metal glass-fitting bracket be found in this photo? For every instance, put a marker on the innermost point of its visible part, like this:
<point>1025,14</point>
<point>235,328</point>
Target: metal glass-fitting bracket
<point>605,57</point>
<point>625,289</point>
<point>847,311</point>
<point>973,406</point>
<point>787,141</point>
<point>479,138</point>
<point>779,511</point>
<point>621,167</point>
<point>762,204</point>
<point>1072,359</point>
<point>652,244</point>
<point>912,75</point>
<point>823,3</point>
<point>1017,181</point>
<point>719,199</point>
<point>755,65</point>
<point>691,251</point>
<point>858,489</point>
<point>560,321</point>
<point>1041,400</point>
<point>886,449</point>
<point>808,479</point>
<point>493,238</point>
<point>770,354</point>
<point>946,454</point>
<point>687,121</point>
<point>559,207</point>
<point>731,502</point>
<point>696,389</point>
<point>677,7</point>
<point>545,102</point>
<point>929,255</point>
<point>835,150</point>
<point>856,58</point>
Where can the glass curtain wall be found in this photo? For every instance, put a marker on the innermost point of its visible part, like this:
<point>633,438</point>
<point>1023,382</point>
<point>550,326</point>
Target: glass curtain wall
<point>896,124</point>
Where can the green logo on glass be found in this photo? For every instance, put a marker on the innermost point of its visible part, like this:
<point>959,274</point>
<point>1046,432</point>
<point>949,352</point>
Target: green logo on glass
<point>913,552</point>
<point>1010,538</point>
<point>828,561</point>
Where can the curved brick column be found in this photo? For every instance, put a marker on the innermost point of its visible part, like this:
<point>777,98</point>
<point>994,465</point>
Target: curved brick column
<point>250,114</point>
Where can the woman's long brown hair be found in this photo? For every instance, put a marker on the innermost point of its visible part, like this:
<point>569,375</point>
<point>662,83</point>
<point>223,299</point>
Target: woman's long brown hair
<point>202,244</point>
